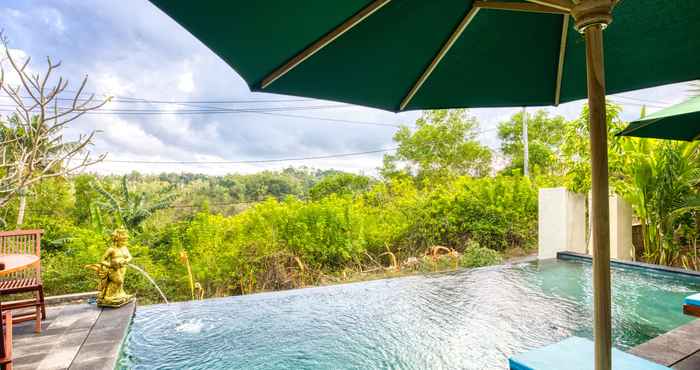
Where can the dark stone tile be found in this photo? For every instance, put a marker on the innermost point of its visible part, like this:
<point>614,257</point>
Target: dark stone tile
<point>658,352</point>
<point>101,347</point>
<point>83,335</point>
<point>690,363</point>
<point>672,347</point>
<point>34,359</point>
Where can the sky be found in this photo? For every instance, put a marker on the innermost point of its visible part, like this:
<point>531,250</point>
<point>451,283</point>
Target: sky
<point>131,50</point>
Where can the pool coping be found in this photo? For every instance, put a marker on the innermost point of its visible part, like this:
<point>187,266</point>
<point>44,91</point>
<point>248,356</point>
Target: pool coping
<point>632,264</point>
<point>678,348</point>
<point>102,347</point>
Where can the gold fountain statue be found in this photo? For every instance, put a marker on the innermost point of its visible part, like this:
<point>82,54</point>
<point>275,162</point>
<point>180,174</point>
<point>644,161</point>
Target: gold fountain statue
<point>111,271</point>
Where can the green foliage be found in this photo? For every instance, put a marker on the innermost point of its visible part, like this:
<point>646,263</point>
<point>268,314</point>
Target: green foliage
<point>130,209</point>
<point>545,137</point>
<point>443,144</point>
<point>339,184</point>
<point>576,150</point>
<point>477,256</point>
<point>85,197</point>
<point>662,180</point>
<point>278,185</point>
<point>497,213</point>
<point>346,227</point>
<point>659,178</point>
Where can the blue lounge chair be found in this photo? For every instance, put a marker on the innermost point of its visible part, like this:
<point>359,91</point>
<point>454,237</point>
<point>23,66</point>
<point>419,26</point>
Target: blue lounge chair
<point>691,305</point>
<point>576,354</point>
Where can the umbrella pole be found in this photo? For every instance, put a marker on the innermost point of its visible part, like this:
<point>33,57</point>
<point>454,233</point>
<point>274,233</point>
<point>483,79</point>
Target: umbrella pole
<point>600,217</point>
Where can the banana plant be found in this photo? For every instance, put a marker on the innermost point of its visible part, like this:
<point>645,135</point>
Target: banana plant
<point>130,209</point>
<point>663,180</point>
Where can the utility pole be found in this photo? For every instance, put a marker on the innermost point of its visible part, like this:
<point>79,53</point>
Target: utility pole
<point>526,162</point>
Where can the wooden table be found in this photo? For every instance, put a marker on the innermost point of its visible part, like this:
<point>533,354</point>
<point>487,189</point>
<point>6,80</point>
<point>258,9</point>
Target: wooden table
<point>17,262</point>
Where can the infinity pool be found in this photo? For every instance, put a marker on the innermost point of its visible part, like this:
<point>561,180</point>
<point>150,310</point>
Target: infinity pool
<point>472,319</point>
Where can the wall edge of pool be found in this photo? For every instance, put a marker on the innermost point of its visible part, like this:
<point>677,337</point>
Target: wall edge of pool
<point>120,351</point>
<point>574,256</point>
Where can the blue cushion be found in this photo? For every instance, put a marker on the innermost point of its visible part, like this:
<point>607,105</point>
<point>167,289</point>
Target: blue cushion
<point>576,354</point>
<point>693,300</point>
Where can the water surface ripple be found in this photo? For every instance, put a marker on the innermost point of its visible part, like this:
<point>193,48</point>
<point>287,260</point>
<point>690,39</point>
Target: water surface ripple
<point>473,319</point>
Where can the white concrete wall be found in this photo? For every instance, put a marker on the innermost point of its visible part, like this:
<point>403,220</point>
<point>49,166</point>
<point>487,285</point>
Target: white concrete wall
<point>561,222</point>
<point>621,246</point>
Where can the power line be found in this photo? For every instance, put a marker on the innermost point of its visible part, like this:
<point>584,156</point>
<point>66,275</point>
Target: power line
<point>112,111</point>
<point>258,160</point>
<point>274,111</point>
<point>133,100</point>
<point>292,115</point>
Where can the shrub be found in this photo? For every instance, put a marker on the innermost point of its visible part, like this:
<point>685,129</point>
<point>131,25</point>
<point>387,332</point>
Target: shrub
<point>477,256</point>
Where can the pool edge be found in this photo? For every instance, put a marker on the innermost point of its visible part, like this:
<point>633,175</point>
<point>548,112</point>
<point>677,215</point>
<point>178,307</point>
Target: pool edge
<point>631,264</point>
<point>102,347</point>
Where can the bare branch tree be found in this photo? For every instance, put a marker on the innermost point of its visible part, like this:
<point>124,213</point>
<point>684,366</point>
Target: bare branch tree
<point>31,138</point>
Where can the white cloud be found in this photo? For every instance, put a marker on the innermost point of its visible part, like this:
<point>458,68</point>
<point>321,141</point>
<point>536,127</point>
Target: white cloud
<point>53,19</point>
<point>186,82</point>
<point>109,84</point>
<point>19,56</point>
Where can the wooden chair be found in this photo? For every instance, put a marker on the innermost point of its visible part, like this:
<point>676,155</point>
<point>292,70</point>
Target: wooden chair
<point>25,281</point>
<point>6,342</point>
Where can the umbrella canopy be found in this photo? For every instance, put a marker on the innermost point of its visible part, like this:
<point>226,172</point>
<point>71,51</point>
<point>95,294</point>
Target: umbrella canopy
<point>678,122</point>
<point>417,54</point>
<point>498,58</point>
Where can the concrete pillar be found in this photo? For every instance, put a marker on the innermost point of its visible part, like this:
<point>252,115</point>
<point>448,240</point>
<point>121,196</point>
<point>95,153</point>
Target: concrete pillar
<point>621,246</point>
<point>561,222</point>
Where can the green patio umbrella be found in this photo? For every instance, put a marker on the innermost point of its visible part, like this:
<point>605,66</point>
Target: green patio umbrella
<point>417,54</point>
<point>678,122</point>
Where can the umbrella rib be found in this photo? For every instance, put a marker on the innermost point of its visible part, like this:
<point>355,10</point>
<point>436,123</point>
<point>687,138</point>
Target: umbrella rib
<point>562,54</point>
<point>323,41</point>
<point>565,5</point>
<point>441,54</point>
<point>519,7</point>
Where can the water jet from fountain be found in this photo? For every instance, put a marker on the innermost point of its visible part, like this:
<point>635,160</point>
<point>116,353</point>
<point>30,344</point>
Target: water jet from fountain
<point>147,276</point>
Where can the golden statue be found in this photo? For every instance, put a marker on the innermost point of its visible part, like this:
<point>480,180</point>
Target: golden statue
<point>111,271</point>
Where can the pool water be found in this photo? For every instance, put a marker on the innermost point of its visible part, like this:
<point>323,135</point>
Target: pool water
<point>471,319</point>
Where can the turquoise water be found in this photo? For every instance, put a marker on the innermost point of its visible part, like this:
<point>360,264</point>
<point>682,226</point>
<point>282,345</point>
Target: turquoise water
<point>472,319</point>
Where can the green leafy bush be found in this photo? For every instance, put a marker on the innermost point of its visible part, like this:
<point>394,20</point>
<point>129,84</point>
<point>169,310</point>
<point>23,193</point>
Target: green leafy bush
<point>477,256</point>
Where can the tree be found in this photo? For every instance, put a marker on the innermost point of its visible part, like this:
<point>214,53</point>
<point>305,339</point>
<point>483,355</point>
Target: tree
<point>442,145</point>
<point>545,136</point>
<point>130,209</point>
<point>33,147</point>
<point>85,197</point>
<point>576,150</point>
<point>261,185</point>
<point>340,184</point>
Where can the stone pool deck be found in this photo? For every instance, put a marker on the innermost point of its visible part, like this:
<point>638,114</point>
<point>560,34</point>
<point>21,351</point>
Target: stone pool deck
<point>678,349</point>
<point>76,336</point>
